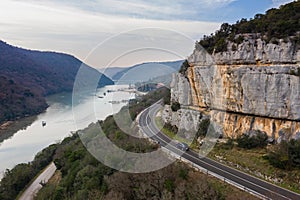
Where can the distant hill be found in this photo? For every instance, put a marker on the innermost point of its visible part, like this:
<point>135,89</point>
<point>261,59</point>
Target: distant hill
<point>27,76</point>
<point>147,71</point>
<point>111,71</point>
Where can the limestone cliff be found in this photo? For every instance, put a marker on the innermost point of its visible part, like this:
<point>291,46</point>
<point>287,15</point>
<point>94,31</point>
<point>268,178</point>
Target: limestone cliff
<point>254,85</point>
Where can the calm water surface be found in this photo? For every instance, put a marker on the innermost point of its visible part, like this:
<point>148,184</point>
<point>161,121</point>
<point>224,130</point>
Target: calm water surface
<point>60,122</point>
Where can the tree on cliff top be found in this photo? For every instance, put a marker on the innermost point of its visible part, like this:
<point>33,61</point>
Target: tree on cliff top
<point>275,23</point>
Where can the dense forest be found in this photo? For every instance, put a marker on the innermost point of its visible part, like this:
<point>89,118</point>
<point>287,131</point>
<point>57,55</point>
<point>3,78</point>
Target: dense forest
<point>282,23</point>
<point>17,100</point>
<point>81,176</point>
<point>33,75</point>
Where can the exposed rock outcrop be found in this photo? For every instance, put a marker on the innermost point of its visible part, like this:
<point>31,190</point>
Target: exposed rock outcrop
<point>184,118</point>
<point>256,87</point>
<point>254,50</point>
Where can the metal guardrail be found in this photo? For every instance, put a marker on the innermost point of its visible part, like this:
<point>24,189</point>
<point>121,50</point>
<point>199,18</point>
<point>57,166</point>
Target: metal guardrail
<point>203,170</point>
<point>206,171</point>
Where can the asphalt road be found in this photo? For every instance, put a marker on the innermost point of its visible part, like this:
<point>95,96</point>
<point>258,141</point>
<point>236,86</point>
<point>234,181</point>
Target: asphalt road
<point>248,182</point>
<point>31,191</point>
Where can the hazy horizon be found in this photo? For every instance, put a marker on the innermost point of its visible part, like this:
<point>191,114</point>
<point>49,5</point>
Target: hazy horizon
<point>77,27</point>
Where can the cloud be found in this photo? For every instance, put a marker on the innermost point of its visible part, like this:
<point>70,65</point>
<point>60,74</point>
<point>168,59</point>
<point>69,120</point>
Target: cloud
<point>155,9</point>
<point>53,26</point>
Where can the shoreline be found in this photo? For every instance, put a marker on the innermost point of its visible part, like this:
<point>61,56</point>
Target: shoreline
<point>9,128</point>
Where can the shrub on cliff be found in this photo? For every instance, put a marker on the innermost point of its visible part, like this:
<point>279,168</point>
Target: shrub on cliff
<point>276,23</point>
<point>252,139</point>
<point>171,127</point>
<point>185,65</point>
<point>203,128</point>
<point>175,106</point>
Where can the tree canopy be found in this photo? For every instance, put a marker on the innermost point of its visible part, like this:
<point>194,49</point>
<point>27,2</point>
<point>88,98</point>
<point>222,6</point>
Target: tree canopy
<point>275,23</point>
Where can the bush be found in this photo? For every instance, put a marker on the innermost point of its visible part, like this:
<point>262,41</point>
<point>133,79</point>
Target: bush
<point>167,97</point>
<point>169,185</point>
<point>239,39</point>
<point>183,173</point>
<point>221,45</point>
<point>276,23</point>
<point>203,128</point>
<point>295,73</point>
<point>170,127</point>
<point>229,144</point>
<point>286,155</point>
<point>185,65</point>
<point>175,106</point>
<point>16,179</point>
<point>252,139</point>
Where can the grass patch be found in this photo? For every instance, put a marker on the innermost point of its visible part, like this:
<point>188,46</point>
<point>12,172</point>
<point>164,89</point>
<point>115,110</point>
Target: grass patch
<point>168,132</point>
<point>252,161</point>
<point>55,179</point>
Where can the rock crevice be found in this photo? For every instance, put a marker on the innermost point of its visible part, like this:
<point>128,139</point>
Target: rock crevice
<point>256,87</point>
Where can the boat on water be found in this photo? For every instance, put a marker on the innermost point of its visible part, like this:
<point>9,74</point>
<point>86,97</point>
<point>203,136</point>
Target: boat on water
<point>44,123</point>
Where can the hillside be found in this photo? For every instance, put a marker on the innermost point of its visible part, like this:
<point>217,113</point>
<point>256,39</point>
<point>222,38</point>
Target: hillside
<point>111,71</point>
<point>27,76</point>
<point>17,100</point>
<point>146,71</point>
<point>81,176</point>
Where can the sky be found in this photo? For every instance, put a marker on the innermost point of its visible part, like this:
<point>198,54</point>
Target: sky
<point>106,33</point>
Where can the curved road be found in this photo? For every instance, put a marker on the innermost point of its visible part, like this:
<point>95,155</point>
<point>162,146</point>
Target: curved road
<point>264,189</point>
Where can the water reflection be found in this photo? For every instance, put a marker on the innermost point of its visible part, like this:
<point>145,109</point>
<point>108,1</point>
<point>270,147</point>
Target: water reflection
<point>24,144</point>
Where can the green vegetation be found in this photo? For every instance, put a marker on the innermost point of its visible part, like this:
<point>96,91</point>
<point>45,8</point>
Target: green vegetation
<point>81,176</point>
<point>275,24</point>
<point>149,99</point>
<point>27,76</point>
<point>255,161</point>
<point>175,106</point>
<point>203,128</point>
<point>14,126</point>
<point>171,128</point>
<point>17,100</point>
<point>81,172</point>
<point>19,177</point>
<point>278,164</point>
<point>172,132</point>
<point>184,66</point>
<point>166,128</point>
<point>295,72</point>
<point>252,139</point>
<point>285,155</point>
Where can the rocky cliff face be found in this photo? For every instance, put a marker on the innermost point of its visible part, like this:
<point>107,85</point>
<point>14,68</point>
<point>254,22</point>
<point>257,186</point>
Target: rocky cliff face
<point>254,50</point>
<point>252,86</point>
